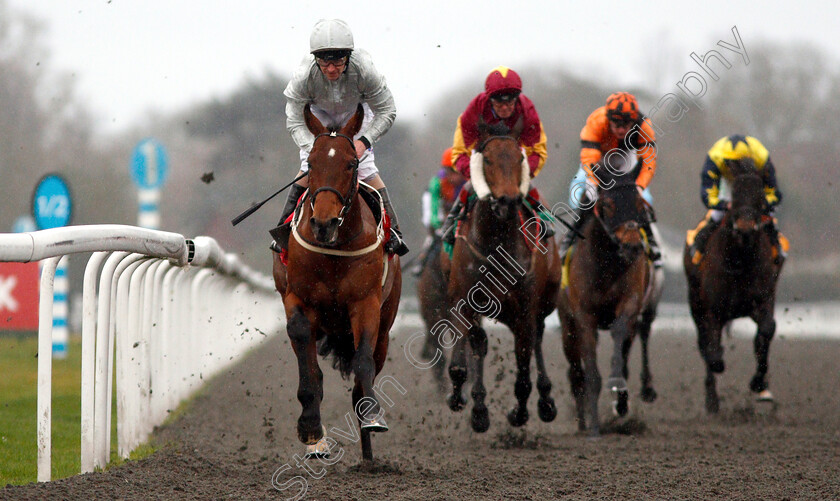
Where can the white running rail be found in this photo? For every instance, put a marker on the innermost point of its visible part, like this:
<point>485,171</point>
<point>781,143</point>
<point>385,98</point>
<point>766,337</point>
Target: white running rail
<point>176,311</point>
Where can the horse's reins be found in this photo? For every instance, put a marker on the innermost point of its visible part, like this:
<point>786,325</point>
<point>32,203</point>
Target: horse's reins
<point>346,202</point>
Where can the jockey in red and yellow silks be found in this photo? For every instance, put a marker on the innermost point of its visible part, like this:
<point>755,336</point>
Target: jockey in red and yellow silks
<point>502,81</point>
<point>617,132</point>
<point>501,103</point>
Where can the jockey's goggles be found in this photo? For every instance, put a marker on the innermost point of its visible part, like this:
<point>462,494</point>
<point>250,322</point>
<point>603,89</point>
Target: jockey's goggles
<point>505,97</point>
<point>619,121</point>
<point>335,58</point>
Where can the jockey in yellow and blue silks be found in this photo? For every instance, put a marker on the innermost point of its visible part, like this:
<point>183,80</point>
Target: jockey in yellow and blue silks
<point>716,178</point>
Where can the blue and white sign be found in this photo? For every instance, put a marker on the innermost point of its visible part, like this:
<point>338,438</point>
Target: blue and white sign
<point>51,203</point>
<point>149,165</point>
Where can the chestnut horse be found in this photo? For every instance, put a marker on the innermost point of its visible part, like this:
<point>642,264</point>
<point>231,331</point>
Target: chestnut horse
<point>608,283</point>
<point>500,269</point>
<point>736,277</point>
<point>339,290</point>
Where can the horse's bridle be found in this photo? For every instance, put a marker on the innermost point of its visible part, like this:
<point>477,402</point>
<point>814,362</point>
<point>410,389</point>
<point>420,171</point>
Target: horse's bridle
<point>346,200</point>
<point>490,138</point>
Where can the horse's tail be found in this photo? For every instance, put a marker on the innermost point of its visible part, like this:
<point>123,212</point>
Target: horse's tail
<point>342,350</point>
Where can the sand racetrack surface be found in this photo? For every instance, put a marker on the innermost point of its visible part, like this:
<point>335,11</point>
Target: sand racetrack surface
<point>237,438</point>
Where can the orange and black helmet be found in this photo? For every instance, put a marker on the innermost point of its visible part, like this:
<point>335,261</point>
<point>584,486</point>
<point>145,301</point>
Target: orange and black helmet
<point>446,159</point>
<point>503,80</point>
<point>622,106</point>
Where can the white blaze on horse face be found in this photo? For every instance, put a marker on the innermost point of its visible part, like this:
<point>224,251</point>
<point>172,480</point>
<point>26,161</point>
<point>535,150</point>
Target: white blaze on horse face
<point>331,153</point>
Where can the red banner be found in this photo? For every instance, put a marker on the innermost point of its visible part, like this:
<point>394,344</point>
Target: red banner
<point>19,296</point>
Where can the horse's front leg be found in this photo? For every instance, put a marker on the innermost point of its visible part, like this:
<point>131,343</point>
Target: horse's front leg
<point>648,394</point>
<point>761,346</point>
<point>524,334</point>
<point>457,365</point>
<point>622,332</point>
<point>586,329</point>
<point>301,333</point>
<point>709,343</point>
<point>364,322</point>
<point>480,419</point>
<point>545,405</point>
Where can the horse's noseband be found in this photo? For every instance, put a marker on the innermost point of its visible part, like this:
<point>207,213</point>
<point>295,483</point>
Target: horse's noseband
<point>346,200</point>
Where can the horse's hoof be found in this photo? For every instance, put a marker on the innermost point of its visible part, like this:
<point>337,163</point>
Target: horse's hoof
<point>648,395</point>
<point>547,410</point>
<point>319,450</point>
<point>621,406</point>
<point>716,366</point>
<point>309,435</point>
<point>456,402</point>
<point>758,384</point>
<point>764,396</point>
<point>376,424</point>
<point>518,416</point>
<point>617,384</point>
<point>480,419</point>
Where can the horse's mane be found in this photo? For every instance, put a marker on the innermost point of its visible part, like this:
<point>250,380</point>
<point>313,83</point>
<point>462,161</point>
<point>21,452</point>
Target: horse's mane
<point>747,185</point>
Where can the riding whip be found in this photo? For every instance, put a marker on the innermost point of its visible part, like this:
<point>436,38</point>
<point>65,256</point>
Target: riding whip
<point>238,219</point>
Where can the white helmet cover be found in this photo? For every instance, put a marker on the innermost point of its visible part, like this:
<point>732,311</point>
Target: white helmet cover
<point>330,34</point>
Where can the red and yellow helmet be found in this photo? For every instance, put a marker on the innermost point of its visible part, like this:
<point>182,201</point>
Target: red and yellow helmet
<point>502,80</point>
<point>622,106</point>
<point>446,159</point>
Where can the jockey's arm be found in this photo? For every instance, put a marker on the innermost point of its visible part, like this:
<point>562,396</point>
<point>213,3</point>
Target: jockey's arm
<point>296,126</point>
<point>434,206</point>
<point>771,189</point>
<point>591,136</point>
<point>537,153</point>
<point>461,151</point>
<point>710,185</point>
<point>375,92</point>
<point>645,145</point>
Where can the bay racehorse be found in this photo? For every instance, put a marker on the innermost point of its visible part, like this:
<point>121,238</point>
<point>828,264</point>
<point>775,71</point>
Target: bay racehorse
<point>431,296</point>
<point>339,289</point>
<point>736,277</point>
<point>502,269</point>
<point>608,283</point>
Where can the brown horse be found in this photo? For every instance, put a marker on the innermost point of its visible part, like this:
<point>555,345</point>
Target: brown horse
<point>608,283</point>
<point>339,290</point>
<point>736,277</point>
<point>500,270</point>
<point>431,296</point>
<point>431,286</point>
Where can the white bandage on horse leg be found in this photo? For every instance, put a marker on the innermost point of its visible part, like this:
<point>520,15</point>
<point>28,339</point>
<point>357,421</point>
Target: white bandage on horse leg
<point>477,175</point>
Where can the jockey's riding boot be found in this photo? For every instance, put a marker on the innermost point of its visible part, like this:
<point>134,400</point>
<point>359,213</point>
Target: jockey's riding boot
<point>283,229</point>
<point>417,269</point>
<point>447,229</point>
<point>702,237</point>
<point>571,234</point>
<point>654,254</point>
<point>534,199</point>
<point>395,244</point>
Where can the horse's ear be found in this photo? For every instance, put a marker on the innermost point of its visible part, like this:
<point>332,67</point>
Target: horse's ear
<point>312,123</point>
<point>354,125</point>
